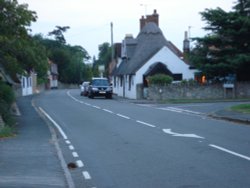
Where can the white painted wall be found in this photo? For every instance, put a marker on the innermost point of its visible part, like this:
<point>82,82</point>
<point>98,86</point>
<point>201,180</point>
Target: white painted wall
<point>26,85</point>
<point>165,56</point>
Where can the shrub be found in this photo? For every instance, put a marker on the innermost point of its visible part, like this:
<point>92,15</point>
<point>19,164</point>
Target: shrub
<point>160,79</point>
<point>7,97</point>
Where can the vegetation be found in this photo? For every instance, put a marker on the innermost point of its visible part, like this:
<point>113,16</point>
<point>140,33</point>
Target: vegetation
<point>104,58</point>
<point>160,79</point>
<point>245,108</point>
<point>19,53</point>
<point>6,131</point>
<point>225,50</point>
<point>7,98</point>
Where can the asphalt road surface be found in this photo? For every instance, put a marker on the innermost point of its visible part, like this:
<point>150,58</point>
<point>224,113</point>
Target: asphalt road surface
<point>119,144</point>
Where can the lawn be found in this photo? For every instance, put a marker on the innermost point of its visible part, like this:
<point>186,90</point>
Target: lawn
<point>245,108</point>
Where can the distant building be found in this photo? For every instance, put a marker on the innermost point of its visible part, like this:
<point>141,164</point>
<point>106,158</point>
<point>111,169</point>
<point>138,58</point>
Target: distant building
<point>52,75</point>
<point>146,55</point>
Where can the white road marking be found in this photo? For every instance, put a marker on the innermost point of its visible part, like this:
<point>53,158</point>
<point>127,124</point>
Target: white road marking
<point>144,123</point>
<point>168,131</point>
<point>231,152</point>
<point>120,115</point>
<point>179,110</point>
<point>55,124</point>
<point>71,147</point>
<point>79,163</point>
<point>188,111</point>
<point>75,154</point>
<point>86,175</point>
<point>109,111</point>
<point>67,142</point>
<point>97,107</point>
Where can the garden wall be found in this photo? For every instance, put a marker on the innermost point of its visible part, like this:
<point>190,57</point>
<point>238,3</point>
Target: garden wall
<point>196,91</point>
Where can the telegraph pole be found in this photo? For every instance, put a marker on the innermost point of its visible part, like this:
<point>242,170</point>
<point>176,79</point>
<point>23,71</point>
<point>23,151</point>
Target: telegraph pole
<point>112,44</point>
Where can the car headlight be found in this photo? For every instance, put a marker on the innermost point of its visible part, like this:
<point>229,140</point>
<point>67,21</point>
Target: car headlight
<point>94,89</point>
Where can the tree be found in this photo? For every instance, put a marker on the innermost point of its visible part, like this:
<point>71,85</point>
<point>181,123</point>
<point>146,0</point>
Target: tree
<point>104,57</point>
<point>19,52</point>
<point>70,60</point>
<point>226,49</point>
<point>58,33</point>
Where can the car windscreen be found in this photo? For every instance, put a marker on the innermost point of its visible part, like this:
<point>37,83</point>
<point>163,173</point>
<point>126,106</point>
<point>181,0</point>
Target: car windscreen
<point>100,82</point>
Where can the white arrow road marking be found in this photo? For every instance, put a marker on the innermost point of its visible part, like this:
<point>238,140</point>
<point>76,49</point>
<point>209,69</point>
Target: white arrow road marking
<point>168,131</point>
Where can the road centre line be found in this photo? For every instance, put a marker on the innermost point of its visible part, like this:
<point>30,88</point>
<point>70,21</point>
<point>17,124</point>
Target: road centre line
<point>230,152</point>
<point>120,115</point>
<point>55,124</point>
<point>109,111</point>
<point>144,123</point>
<point>97,107</point>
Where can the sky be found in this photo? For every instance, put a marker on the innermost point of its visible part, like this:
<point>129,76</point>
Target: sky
<point>90,20</point>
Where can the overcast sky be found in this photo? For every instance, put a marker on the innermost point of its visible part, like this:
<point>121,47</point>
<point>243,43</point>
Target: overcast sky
<point>90,20</point>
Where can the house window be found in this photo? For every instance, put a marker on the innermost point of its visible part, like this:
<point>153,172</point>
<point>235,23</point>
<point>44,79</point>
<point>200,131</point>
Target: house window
<point>177,77</point>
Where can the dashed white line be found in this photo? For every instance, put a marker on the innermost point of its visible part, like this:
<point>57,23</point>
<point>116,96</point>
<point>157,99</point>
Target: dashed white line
<point>231,152</point>
<point>75,154</point>
<point>67,142</point>
<point>79,163</point>
<point>97,107</point>
<point>147,124</point>
<point>71,147</point>
<point>86,175</point>
<point>120,115</point>
<point>109,111</point>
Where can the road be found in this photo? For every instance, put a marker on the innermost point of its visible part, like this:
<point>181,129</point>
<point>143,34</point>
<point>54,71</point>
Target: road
<point>119,144</point>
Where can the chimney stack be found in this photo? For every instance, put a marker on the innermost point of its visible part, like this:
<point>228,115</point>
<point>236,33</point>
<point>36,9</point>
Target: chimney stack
<point>149,18</point>
<point>186,43</point>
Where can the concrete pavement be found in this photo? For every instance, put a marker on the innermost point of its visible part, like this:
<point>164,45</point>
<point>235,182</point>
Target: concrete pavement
<point>30,159</point>
<point>230,115</point>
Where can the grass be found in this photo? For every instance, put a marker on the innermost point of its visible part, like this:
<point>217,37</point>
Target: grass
<point>244,108</point>
<point>6,131</point>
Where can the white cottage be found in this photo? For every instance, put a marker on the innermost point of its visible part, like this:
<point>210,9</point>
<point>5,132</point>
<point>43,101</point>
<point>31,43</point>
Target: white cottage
<point>147,54</point>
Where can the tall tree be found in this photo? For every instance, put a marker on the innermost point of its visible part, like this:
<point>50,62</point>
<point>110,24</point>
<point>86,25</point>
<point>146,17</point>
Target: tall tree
<point>104,57</point>
<point>58,33</point>
<point>226,49</point>
<point>19,53</point>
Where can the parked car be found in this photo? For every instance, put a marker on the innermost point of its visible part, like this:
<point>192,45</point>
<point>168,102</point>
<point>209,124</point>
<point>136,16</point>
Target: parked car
<point>84,89</point>
<point>100,87</point>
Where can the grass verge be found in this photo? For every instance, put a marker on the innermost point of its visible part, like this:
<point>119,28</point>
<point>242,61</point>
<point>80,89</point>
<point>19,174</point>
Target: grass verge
<point>6,131</point>
<point>244,108</point>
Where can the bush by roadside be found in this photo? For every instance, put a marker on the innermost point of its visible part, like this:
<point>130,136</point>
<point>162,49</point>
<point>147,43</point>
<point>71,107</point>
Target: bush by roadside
<point>7,98</point>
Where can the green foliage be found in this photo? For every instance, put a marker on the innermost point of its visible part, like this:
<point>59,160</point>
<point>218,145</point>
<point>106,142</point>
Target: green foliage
<point>245,108</point>
<point>104,58</point>
<point>69,59</point>
<point>160,79</point>
<point>58,33</point>
<point>6,131</point>
<point>7,97</point>
<point>19,52</point>
<point>225,50</point>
